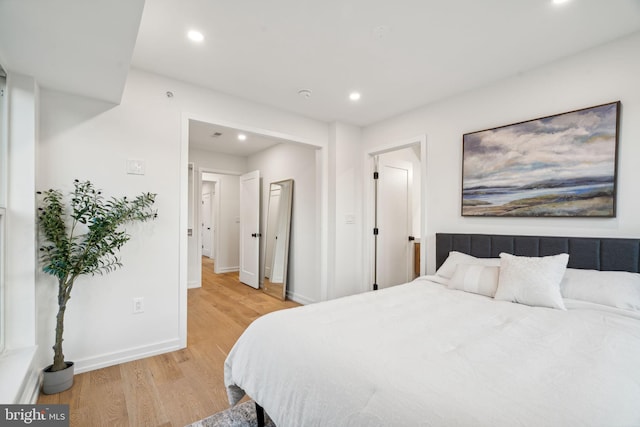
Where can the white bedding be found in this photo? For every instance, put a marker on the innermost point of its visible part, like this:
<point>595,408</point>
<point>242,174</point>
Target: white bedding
<point>422,354</point>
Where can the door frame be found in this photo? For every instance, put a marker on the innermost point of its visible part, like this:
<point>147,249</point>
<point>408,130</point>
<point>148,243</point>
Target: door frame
<point>322,200</point>
<point>368,246</point>
<point>197,189</point>
<point>215,207</point>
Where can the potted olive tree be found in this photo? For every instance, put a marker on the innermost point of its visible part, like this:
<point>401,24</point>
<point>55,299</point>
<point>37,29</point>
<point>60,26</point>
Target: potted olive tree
<point>80,238</point>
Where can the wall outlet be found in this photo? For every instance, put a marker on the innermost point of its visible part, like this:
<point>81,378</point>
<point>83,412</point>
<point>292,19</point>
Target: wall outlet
<point>138,305</point>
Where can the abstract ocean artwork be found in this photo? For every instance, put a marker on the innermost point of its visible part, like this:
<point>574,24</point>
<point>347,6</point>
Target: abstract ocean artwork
<point>556,166</point>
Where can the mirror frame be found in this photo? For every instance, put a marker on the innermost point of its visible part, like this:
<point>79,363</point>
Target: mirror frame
<point>270,235</point>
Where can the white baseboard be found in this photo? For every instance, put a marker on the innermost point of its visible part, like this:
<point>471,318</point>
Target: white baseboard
<point>300,299</point>
<point>193,284</point>
<point>227,270</point>
<point>115,358</point>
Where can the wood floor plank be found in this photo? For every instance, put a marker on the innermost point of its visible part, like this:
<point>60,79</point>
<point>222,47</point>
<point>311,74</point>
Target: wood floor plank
<point>177,388</point>
<point>164,368</point>
<point>105,375</point>
<point>144,404</point>
<point>108,406</point>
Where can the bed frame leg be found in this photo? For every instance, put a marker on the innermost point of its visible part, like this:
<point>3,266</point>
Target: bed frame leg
<point>260,415</point>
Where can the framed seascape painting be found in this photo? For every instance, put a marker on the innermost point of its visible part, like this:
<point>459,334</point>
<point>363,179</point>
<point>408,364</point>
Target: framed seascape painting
<point>557,166</point>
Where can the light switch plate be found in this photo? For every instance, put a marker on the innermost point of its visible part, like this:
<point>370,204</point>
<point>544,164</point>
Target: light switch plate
<point>135,167</point>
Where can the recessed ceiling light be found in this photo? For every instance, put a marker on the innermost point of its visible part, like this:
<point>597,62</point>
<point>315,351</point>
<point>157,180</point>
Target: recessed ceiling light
<point>242,137</point>
<point>354,96</point>
<point>560,1</point>
<point>195,36</point>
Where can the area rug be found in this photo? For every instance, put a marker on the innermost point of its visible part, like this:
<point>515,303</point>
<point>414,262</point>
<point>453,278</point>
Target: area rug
<point>242,415</point>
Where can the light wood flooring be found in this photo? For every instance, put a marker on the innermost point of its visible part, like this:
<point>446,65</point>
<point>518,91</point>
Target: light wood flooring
<point>178,388</point>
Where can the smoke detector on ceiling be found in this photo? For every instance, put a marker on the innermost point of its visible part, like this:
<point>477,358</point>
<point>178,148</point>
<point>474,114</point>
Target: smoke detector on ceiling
<point>305,93</point>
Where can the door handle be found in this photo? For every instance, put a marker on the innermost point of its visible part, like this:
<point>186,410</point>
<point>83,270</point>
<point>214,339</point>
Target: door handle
<point>256,234</point>
<point>411,238</point>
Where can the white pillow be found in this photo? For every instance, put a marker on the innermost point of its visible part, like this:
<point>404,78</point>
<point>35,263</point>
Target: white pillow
<point>479,279</point>
<point>618,289</point>
<point>532,281</point>
<point>448,267</point>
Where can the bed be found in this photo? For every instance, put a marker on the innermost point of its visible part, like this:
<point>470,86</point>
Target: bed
<point>467,346</point>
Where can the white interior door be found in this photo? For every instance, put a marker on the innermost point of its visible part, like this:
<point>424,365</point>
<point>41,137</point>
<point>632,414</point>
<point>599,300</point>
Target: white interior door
<point>207,226</point>
<point>250,229</point>
<point>394,222</point>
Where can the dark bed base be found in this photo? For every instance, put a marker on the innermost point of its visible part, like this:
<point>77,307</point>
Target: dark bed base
<point>593,253</point>
<point>260,415</point>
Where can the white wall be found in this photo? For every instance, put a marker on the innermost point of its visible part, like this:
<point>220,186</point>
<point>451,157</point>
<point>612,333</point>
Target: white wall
<point>218,162</point>
<point>87,139</point>
<point>297,162</point>
<point>594,77</point>
<point>346,220</point>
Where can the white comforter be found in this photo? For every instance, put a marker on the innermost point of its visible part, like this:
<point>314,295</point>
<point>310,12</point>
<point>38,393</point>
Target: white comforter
<point>421,354</point>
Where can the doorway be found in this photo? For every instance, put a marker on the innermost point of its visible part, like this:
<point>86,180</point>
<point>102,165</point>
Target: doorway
<point>207,215</point>
<point>394,211</point>
<point>396,200</point>
<point>218,219</point>
<point>212,145</point>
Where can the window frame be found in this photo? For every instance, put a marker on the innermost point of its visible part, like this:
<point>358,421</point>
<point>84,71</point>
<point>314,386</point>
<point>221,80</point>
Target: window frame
<point>3,186</point>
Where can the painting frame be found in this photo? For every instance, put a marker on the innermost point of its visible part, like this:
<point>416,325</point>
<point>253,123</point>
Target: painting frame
<point>562,165</point>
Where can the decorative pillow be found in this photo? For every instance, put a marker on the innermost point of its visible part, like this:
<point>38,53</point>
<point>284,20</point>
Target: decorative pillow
<point>448,267</point>
<point>479,279</point>
<point>618,289</point>
<point>532,281</point>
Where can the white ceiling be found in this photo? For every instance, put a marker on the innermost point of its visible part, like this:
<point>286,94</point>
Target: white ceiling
<point>400,55</point>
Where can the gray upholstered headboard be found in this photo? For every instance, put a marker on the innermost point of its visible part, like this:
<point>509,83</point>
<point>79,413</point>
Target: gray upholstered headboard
<point>584,252</point>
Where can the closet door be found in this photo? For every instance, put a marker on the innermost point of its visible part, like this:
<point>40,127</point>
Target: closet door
<point>394,222</point>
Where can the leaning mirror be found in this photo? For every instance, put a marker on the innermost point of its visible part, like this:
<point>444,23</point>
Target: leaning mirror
<point>276,252</point>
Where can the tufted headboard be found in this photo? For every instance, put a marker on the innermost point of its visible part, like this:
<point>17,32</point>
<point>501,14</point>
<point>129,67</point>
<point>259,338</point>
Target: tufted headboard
<point>595,253</point>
